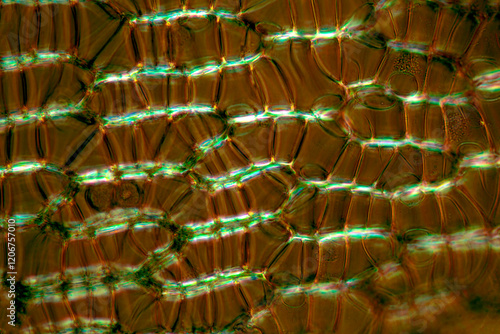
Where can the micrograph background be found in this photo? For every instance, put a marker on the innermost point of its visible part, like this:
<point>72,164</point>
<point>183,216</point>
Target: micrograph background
<point>253,166</point>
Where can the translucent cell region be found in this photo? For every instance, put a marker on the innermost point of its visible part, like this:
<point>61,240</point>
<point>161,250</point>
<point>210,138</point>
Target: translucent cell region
<point>253,166</point>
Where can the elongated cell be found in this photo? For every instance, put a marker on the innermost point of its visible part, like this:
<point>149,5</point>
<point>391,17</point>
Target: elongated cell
<point>277,166</point>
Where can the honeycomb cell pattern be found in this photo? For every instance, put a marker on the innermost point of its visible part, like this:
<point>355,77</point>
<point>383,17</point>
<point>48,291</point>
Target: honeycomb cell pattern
<point>253,166</point>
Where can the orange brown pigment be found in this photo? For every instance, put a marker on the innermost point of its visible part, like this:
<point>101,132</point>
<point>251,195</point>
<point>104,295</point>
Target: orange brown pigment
<point>253,166</point>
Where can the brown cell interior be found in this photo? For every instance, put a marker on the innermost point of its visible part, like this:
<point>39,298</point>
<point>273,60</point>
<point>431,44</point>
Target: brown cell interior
<point>220,166</point>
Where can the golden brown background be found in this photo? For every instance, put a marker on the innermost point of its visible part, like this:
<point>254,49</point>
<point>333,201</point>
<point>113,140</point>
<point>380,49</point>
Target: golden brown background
<point>277,166</point>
